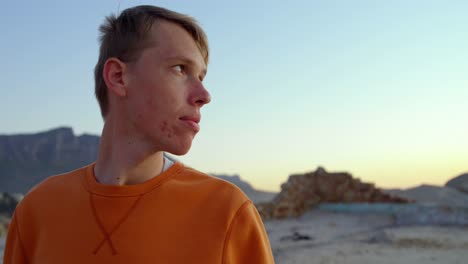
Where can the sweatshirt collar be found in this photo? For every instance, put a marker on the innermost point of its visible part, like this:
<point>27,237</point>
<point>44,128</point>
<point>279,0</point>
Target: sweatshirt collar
<point>93,186</point>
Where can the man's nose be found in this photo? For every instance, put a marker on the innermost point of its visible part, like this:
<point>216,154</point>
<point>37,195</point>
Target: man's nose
<point>200,95</point>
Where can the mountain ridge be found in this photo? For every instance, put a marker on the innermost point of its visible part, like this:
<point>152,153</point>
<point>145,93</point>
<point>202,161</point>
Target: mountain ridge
<point>27,159</point>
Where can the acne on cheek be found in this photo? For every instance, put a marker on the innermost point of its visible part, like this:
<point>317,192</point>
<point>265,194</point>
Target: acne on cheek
<point>164,126</point>
<point>165,130</point>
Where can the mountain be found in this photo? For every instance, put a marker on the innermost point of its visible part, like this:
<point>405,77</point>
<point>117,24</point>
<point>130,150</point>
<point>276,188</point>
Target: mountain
<point>256,196</point>
<point>27,159</point>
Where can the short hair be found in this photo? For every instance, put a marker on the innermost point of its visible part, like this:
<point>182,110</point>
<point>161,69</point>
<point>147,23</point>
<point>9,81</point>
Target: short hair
<point>126,36</point>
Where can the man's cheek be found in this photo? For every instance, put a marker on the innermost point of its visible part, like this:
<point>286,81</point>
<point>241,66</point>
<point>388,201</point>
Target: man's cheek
<point>166,129</point>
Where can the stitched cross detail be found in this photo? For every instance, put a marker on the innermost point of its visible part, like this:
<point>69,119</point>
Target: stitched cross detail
<point>108,235</point>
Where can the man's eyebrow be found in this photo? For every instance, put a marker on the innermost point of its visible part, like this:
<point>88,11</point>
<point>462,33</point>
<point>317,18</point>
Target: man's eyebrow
<point>187,61</point>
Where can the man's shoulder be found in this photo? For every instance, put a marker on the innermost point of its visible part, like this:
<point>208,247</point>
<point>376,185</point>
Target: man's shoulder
<point>61,181</point>
<point>198,177</point>
<point>212,186</point>
<point>55,186</point>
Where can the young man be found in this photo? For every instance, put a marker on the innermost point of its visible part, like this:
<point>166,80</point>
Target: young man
<point>133,205</point>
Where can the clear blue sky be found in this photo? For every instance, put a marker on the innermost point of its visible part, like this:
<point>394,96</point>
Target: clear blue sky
<point>376,88</point>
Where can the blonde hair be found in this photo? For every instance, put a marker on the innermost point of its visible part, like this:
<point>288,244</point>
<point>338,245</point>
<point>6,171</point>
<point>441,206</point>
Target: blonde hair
<point>125,37</point>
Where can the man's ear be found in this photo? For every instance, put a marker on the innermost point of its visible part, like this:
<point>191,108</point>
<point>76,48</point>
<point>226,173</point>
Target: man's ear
<point>113,73</point>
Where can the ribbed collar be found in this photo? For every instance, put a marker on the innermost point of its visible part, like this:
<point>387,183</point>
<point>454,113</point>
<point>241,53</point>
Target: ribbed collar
<point>95,187</point>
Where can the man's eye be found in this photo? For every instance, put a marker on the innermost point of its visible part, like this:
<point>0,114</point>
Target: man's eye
<point>179,68</point>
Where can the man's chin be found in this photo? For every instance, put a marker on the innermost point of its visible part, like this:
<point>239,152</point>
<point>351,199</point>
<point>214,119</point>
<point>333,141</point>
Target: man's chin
<point>177,153</point>
<point>180,151</point>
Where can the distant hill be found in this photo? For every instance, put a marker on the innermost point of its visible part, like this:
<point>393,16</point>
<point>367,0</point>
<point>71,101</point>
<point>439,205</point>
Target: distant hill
<point>27,159</point>
<point>459,183</point>
<point>430,194</point>
<point>256,196</point>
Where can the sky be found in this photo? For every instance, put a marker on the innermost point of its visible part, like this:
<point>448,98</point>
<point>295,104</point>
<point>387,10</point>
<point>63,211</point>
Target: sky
<point>378,89</point>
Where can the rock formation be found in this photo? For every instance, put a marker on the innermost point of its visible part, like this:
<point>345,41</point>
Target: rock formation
<point>302,192</point>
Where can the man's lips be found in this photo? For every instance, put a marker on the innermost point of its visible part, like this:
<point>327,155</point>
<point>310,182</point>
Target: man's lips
<point>192,122</point>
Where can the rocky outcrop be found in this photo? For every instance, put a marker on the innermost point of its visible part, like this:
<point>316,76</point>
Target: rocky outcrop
<point>459,183</point>
<point>302,192</point>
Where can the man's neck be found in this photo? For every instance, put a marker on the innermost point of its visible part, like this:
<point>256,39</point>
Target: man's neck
<point>124,160</point>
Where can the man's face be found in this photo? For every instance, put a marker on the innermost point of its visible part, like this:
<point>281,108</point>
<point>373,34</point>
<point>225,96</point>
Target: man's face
<point>165,90</point>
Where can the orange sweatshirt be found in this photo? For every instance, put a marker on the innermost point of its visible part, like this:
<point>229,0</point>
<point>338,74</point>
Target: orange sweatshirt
<point>179,216</point>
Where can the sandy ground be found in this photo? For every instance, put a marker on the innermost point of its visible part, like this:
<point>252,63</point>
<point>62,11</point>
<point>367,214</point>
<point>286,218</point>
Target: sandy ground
<point>322,237</point>
<point>363,238</point>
